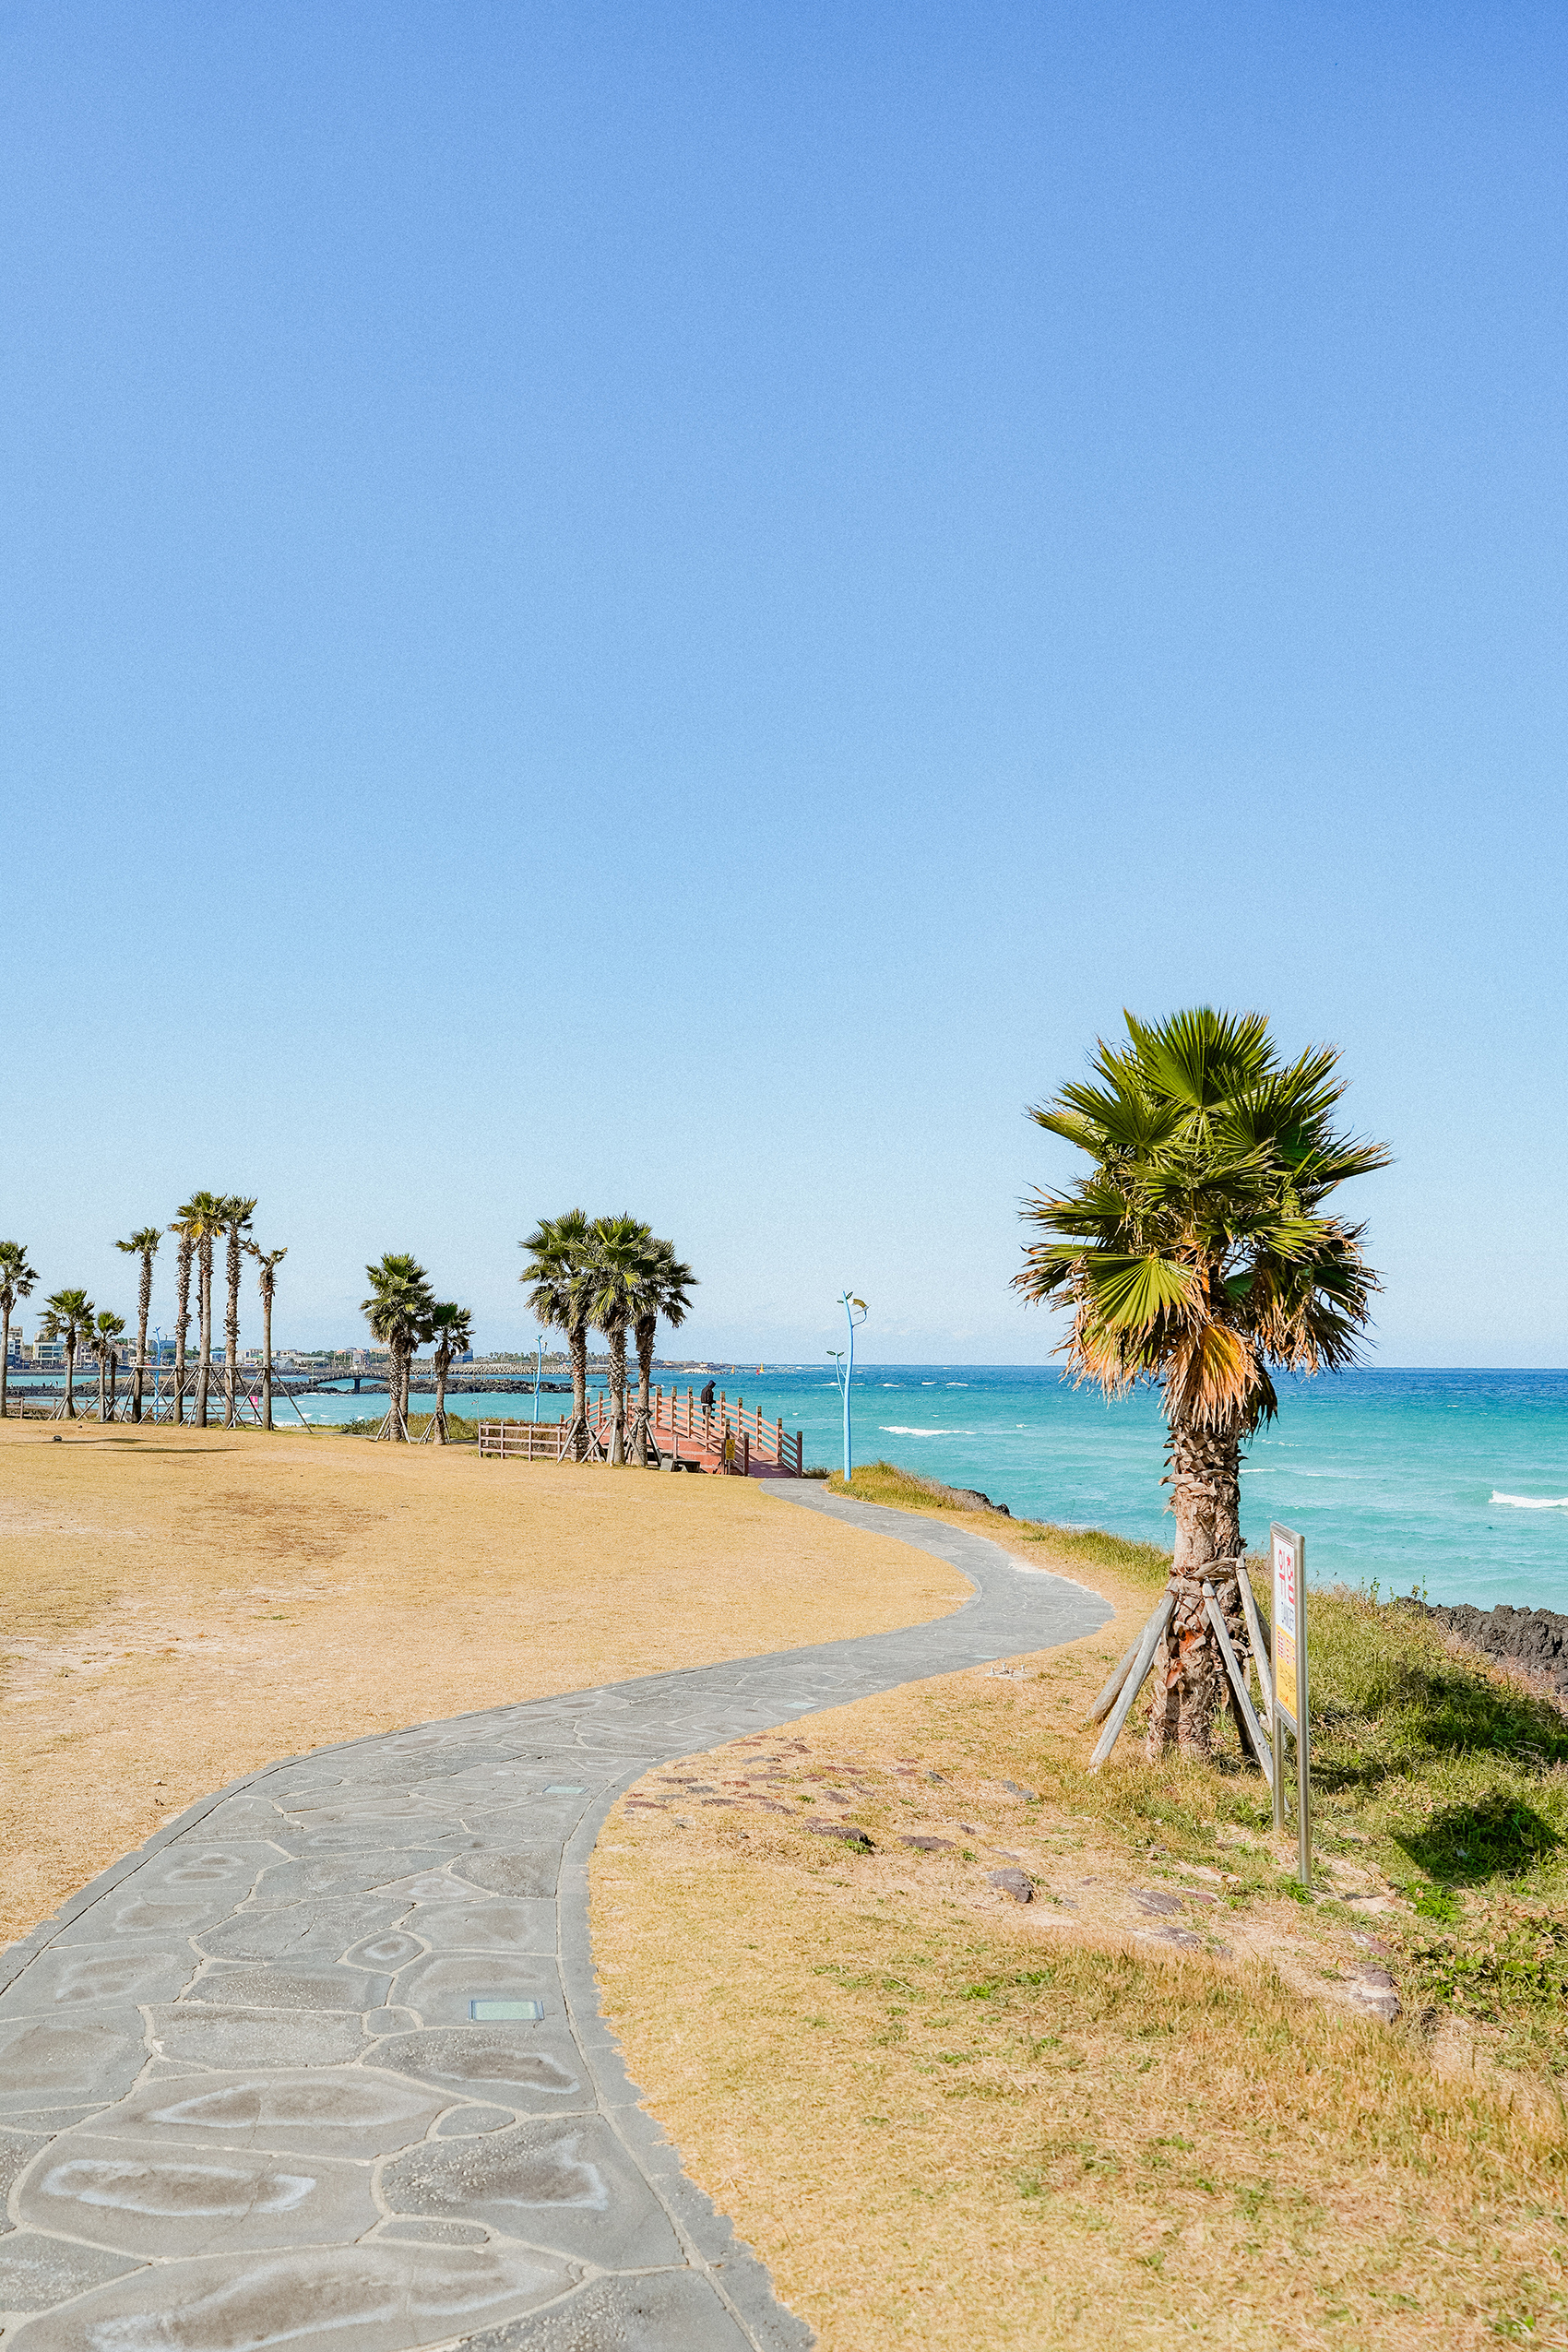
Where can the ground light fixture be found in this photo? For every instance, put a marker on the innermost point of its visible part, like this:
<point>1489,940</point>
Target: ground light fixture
<point>844,1366</point>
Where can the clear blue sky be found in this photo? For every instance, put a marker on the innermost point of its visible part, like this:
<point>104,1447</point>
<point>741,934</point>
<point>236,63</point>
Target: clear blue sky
<point>672,608</point>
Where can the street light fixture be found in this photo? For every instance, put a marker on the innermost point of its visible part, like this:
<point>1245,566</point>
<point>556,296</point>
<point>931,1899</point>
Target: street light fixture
<point>844,1367</point>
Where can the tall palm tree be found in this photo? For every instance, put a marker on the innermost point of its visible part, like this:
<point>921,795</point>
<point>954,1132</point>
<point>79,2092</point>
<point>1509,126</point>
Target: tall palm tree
<point>267,1264</point>
<point>664,1291</point>
<point>186,1232</point>
<point>16,1278</point>
<point>1196,1254</point>
<point>142,1245</point>
<point>398,1310</point>
<point>237,1215</point>
<point>106,1331</point>
<point>560,1268</point>
<point>204,1213</point>
<point>451,1327</point>
<point>622,1260</point>
<point>67,1317</point>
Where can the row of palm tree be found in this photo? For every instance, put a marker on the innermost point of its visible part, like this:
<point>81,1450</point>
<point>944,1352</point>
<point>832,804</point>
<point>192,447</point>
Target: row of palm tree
<point>611,1275</point>
<point>404,1314</point>
<point>70,1317</point>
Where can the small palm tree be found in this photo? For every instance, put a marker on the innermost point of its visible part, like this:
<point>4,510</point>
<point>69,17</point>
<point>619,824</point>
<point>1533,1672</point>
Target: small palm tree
<point>398,1310</point>
<point>184,1232</point>
<point>205,1215</point>
<point>623,1261</point>
<point>17,1279</point>
<point>142,1245</point>
<point>67,1317</point>
<point>237,1215</point>
<point>664,1291</point>
<point>1197,1255</point>
<point>560,1268</point>
<point>103,1341</point>
<point>451,1327</point>
<point>267,1264</point>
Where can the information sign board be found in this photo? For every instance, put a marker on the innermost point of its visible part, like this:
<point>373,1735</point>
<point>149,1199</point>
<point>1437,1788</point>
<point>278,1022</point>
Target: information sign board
<point>1288,1644</point>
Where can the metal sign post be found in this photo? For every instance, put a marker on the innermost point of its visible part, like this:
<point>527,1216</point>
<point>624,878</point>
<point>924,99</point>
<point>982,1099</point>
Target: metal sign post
<point>1289,1644</point>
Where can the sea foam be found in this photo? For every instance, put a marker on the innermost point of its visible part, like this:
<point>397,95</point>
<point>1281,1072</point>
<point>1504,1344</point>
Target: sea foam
<point>1533,1501</point>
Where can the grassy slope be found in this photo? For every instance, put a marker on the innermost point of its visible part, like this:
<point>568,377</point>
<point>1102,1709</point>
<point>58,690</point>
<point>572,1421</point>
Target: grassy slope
<point>1041,2121</point>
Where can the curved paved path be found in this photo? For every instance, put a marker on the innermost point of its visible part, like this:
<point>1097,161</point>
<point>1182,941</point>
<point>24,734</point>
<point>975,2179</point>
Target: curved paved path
<point>322,2063</point>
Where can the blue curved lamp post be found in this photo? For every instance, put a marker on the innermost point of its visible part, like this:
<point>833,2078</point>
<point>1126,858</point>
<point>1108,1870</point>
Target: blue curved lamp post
<point>844,1365</point>
<point>539,1367</point>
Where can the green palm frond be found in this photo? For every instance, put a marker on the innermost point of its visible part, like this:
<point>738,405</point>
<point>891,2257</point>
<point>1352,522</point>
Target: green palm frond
<point>1195,1249</point>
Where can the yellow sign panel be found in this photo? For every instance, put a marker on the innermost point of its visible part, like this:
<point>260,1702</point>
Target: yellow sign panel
<point>1286,1570</point>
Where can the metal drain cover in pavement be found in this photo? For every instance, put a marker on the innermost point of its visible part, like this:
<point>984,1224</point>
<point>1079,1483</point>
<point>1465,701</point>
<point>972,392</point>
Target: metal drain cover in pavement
<point>563,1789</point>
<point>496,2013</point>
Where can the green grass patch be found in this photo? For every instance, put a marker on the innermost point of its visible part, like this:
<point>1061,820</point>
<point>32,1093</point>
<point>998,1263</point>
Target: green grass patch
<point>459,1431</point>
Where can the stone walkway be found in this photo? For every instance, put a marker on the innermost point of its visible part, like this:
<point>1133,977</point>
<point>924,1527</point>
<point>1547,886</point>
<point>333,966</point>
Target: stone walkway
<point>322,2064</point>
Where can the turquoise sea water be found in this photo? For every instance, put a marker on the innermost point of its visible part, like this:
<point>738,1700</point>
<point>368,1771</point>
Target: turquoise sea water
<point>1457,1482</point>
<point>1454,1481</point>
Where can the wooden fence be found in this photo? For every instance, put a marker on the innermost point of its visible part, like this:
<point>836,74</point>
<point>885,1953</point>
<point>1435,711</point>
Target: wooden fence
<point>523,1441</point>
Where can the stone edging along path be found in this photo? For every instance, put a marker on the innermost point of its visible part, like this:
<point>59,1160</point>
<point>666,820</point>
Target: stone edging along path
<point>323,2064</point>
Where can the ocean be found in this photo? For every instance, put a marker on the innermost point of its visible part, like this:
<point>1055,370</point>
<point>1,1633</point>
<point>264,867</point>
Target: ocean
<point>1452,1483</point>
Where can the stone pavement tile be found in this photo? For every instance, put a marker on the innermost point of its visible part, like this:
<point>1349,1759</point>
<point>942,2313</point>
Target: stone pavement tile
<point>295,1930</point>
<point>530,2067</point>
<point>462,2123</point>
<point>376,2297</point>
<point>36,2272</point>
<point>354,1837</point>
<point>403,2232</point>
<point>17,2150</point>
<point>184,2200</point>
<point>196,1864</point>
<point>567,2184</point>
<point>68,1977</point>
<point>224,2038</point>
<point>527,1870</point>
<point>440,1986</point>
<point>48,2063</point>
<point>496,1926</point>
<point>334,2111</point>
<point>126,1915</point>
<point>343,1877</point>
<point>667,2311</point>
<point>233,1987</point>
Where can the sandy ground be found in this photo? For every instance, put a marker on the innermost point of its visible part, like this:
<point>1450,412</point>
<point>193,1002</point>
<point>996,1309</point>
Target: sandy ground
<point>948,2120</point>
<point>179,1607</point>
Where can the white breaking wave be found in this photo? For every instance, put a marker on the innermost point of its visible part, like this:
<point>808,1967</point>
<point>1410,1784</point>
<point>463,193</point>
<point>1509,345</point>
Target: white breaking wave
<point>1533,1501</point>
<point>902,1428</point>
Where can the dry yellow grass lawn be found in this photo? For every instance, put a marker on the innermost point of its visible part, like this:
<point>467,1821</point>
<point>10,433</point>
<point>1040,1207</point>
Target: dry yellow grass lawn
<point>945,2121</point>
<point>181,1607</point>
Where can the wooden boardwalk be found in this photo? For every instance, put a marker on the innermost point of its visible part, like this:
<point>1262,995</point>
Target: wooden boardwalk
<point>721,1439</point>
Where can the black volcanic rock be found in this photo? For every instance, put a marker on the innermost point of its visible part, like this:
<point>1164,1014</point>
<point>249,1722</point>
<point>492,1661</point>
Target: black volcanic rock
<point>1537,1638</point>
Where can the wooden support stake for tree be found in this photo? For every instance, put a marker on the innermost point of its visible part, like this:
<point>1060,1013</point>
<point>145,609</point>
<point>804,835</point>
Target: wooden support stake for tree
<point>1238,1683</point>
<point>1143,1658</point>
<point>1106,1698</point>
<point>1257,1641</point>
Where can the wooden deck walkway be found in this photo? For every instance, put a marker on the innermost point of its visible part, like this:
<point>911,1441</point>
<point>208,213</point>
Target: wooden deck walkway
<point>687,1433</point>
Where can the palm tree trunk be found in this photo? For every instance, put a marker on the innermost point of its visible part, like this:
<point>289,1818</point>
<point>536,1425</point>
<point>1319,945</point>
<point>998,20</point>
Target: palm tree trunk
<point>4,1356</point>
<point>204,1358</point>
<point>646,1334</point>
<point>577,1339</point>
<point>70,1379</point>
<point>617,1397</point>
<point>267,1359</point>
<point>144,1308</point>
<point>232,1334</point>
<point>113,1385</point>
<point>1189,1676</point>
<point>442,1358</point>
<point>181,1324</point>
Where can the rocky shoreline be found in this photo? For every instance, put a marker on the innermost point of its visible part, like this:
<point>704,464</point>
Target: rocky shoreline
<point>1536,1639</point>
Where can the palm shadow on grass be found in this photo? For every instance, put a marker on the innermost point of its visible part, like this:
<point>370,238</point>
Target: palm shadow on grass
<point>1467,1844</point>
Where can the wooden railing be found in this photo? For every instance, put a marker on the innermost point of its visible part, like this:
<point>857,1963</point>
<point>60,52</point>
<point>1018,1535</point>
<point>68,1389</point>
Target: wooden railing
<point>680,1425</point>
<point>523,1441</point>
